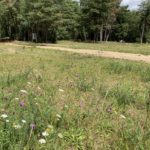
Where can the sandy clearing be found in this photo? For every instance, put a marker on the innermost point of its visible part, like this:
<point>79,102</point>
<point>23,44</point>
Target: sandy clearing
<point>107,54</point>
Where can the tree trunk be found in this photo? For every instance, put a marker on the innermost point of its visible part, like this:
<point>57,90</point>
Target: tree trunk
<point>105,34</point>
<point>108,35</point>
<point>84,34</point>
<point>94,37</point>
<point>101,34</point>
<point>10,36</point>
<point>143,31</point>
<point>97,36</point>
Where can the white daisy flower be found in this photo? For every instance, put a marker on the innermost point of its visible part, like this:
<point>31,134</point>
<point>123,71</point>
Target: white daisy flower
<point>23,121</point>
<point>17,126</point>
<point>36,103</point>
<point>23,91</point>
<point>38,88</point>
<point>50,126</point>
<point>29,83</point>
<point>58,116</point>
<point>4,116</point>
<point>66,106</point>
<point>42,141</point>
<point>7,121</point>
<point>61,90</point>
<point>45,134</point>
<point>122,117</point>
<point>60,135</point>
<point>93,89</point>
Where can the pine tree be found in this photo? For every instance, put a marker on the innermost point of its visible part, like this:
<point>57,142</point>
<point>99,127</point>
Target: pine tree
<point>101,14</point>
<point>145,18</point>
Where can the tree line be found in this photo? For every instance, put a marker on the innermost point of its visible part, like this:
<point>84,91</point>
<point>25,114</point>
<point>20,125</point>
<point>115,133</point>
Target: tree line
<point>84,20</point>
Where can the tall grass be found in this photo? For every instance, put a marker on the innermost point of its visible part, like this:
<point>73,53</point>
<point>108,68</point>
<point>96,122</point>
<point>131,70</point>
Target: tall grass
<point>55,100</point>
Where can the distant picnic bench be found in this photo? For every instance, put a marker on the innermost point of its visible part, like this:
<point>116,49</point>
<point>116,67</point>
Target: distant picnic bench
<point>5,39</point>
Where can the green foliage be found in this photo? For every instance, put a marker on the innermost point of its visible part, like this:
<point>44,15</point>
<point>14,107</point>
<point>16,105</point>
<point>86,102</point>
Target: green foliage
<point>99,17</point>
<point>52,20</point>
<point>123,94</point>
<point>145,19</point>
<point>49,20</point>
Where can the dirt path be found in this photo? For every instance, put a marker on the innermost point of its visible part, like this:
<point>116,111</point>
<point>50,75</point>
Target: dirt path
<point>107,54</point>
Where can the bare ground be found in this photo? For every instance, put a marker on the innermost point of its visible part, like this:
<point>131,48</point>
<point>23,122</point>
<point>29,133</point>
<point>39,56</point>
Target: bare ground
<point>107,54</point>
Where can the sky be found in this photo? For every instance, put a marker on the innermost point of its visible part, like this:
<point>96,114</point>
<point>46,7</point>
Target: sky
<point>133,4</point>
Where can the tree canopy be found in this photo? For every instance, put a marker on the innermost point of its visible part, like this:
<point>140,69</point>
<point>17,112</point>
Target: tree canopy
<point>52,20</point>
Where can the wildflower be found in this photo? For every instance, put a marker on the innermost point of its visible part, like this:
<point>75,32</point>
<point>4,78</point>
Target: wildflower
<point>93,89</point>
<point>60,135</point>
<point>42,141</point>
<point>38,88</point>
<point>58,116</point>
<point>16,99</point>
<point>17,126</point>
<point>23,91</point>
<point>23,121</point>
<point>81,104</point>
<point>45,133</point>
<point>50,126</point>
<point>29,83</point>
<point>4,116</point>
<point>10,93</point>
<point>122,117</point>
<point>7,121</point>
<point>66,106</point>
<point>61,90</point>
<point>109,109</point>
<point>36,103</point>
<point>49,129</point>
<point>22,104</point>
<point>32,126</point>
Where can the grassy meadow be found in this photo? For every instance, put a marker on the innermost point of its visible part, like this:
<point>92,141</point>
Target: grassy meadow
<point>53,100</point>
